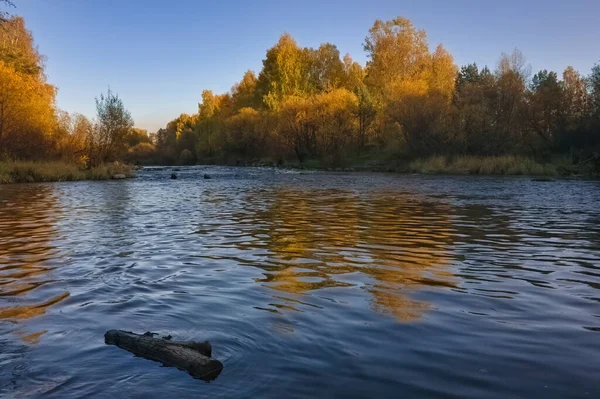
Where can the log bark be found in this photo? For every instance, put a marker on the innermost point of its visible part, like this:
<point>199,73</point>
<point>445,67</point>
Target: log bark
<point>190,356</point>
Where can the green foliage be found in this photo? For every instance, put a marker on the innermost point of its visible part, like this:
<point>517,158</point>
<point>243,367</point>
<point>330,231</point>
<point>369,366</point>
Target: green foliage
<point>114,124</point>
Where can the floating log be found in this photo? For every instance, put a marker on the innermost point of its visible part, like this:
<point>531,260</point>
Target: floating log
<point>190,356</point>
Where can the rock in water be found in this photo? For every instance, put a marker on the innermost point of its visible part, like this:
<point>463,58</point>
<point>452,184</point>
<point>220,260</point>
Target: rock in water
<point>207,176</point>
<point>174,176</point>
<point>190,356</point>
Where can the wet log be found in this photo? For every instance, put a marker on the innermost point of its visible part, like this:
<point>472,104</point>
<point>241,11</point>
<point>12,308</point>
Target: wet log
<point>190,356</point>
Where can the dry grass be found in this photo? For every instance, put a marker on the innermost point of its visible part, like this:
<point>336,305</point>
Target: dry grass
<point>29,172</point>
<point>471,165</point>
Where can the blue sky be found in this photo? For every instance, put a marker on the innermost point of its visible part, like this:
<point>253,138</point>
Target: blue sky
<point>160,55</point>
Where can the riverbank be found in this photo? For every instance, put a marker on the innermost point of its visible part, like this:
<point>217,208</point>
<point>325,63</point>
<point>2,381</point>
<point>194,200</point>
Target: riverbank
<point>31,172</point>
<point>509,165</point>
<point>500,165</point>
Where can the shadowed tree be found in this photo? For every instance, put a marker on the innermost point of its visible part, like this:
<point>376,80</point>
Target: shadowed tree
<point>545,101</point>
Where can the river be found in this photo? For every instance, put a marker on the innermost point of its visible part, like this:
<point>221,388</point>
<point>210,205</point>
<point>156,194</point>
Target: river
<point>307,284</point>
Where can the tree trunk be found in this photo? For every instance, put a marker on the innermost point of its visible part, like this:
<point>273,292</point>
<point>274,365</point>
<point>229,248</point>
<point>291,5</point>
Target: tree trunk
<point>193,357</point>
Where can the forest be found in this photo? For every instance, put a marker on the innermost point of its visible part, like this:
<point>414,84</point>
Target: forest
<point>314,107</point>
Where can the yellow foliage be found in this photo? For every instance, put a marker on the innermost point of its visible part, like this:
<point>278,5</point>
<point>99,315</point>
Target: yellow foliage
<point>26,111</point>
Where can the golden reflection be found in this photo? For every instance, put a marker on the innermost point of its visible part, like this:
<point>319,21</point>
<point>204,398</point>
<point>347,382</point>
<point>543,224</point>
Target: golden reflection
<point>24,312</point>
<point>317,239</point>
<point>28,215</point>
<point>33,338</point>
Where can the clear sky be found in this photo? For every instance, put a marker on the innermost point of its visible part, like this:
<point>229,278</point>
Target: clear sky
<point>159,55</point>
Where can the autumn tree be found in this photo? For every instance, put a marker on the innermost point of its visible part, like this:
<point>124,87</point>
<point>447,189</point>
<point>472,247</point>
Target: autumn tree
<point>575,98</point>
<point>27,115</point>
<point>354,73</point>
<point>70,137</point>
<point>335,125</point>
<point>511,113</point>
<point>295,127</point>
<point>17,48</point>
<point>113,124</point>
<point>243,94</point>
<point>212,111</point>
<point>247,135</point>
<point>594,87</point>
<point>325,69</point>
<point>398,55</point>
<point>284,73</point>
<point>415,85</point>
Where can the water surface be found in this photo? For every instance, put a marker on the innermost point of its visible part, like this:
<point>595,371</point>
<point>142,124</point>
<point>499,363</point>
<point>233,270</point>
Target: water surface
<point>307,285</point>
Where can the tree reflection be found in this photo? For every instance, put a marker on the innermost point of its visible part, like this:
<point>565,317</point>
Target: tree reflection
<point>28,215</point>
<point>318,238</point>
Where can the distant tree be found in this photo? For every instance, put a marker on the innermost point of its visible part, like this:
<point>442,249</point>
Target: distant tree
<point>593,139</point>
<point>246,136</point>
<point>70,137</point>
<point>136,136</point>
<point>354,74</point>
<point>284,73</point>
<point>594,86</point>
<point>207,122</point>
<point>335,125</point>
<point>545,105</point>
<point>575,98</point>
<point>113,124</point>
<point>397,52</point>
<point>511,113</point>
<point>414,85</point>
<point>243,94</point>
<point>366,112</point>
<point>474,102</point>
<point>326,70</point>
<point>295,127</point>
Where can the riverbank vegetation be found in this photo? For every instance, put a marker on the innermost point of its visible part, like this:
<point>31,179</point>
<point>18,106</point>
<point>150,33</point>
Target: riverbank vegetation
<point>410,104</point>
<point>52,171</point>
<point>38,142</point>
<point>311,106</point>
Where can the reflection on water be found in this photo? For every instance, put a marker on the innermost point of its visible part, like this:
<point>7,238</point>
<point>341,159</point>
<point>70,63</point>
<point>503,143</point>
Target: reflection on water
<point>320,239</point>
<point>307,285</point>
<point>28,216</point>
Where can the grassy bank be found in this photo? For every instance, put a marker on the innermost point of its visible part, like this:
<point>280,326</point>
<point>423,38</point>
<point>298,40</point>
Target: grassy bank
<point>460,165</point>
<point>500,165</point>
<point>29,172</point>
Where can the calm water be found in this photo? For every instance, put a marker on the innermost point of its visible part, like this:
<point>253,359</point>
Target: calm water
<point>307,285</point>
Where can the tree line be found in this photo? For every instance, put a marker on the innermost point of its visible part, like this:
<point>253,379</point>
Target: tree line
<point>407,101</point>
<point>312,104</point>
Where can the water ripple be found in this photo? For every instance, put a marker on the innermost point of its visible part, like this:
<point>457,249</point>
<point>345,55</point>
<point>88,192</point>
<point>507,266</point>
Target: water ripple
<point>316,284</point>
